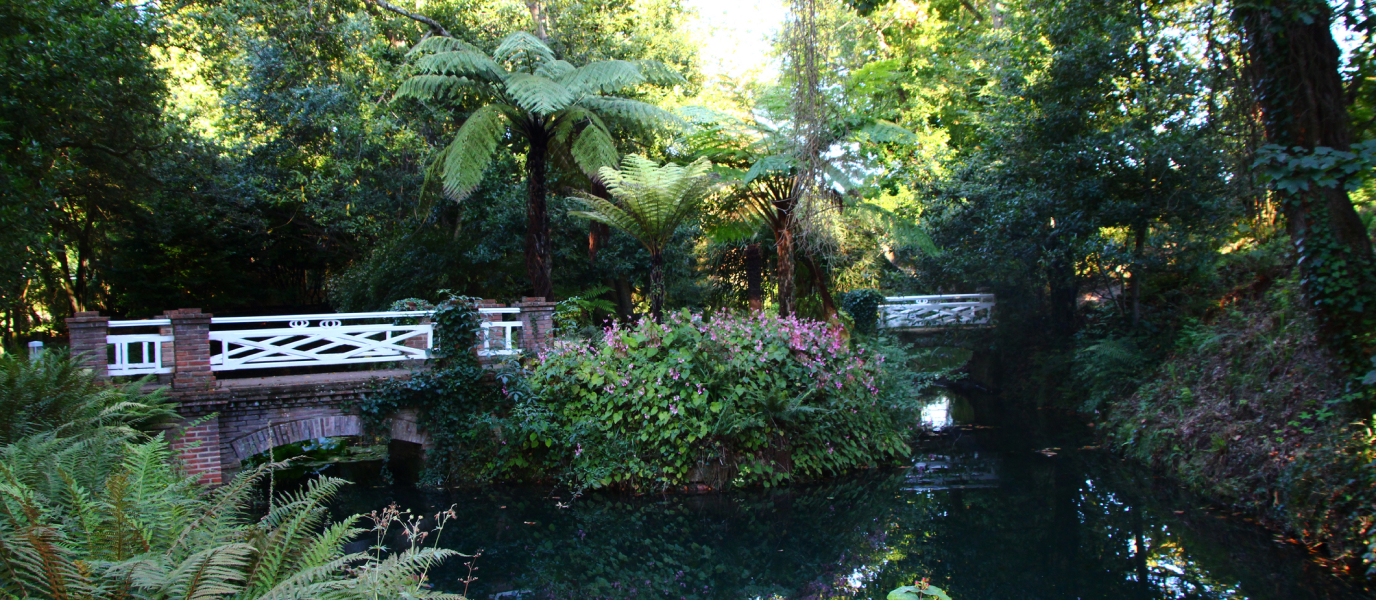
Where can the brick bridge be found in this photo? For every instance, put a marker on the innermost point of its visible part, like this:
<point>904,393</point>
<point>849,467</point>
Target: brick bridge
<point>228,417</point>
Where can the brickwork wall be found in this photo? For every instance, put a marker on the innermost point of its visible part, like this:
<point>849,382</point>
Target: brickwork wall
<point>191,349</point>
<point>87,332</point>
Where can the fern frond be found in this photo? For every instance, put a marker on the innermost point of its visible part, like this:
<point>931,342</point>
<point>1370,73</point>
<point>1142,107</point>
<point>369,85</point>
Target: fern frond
<point>633,111</point>
<point>774,164</point>
<point>658,73</point>
<point>287,527</point>
<point>209,574</point>
<point>556,70</point>
<point>462,63</point>
<point>536,94</point>
<point>466,158</point>
<point>594,149</point>
<point>441,44</point>
<point>522,48</point>
<point>437,87</point>
<point>888,133</point>
<point>603,77</point>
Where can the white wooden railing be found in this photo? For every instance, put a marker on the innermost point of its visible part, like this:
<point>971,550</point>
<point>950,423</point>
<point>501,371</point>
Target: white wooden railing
<point>138,353</point>
<point>952,310</point>
<point>304,340</point>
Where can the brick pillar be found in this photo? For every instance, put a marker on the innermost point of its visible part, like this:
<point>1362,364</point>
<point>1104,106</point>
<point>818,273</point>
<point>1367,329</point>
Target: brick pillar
<point>198,448</point>
<point>419,342</point>
<point>87,332</point>
<point>537,324</point>
<point>191,350</point>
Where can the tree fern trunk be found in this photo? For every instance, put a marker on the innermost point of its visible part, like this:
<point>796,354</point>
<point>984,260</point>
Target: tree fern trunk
<point>754,274</point>
<point>783,240</point>
<point>657,291</point>
<point>537,219</point>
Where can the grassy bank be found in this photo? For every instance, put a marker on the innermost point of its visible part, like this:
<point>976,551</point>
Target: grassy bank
<point>1248,410</point>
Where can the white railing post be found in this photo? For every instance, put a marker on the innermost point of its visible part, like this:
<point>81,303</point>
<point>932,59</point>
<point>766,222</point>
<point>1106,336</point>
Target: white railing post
<point>35,350</point>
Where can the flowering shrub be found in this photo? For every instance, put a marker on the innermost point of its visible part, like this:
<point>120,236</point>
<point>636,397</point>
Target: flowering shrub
<point>725,399</point>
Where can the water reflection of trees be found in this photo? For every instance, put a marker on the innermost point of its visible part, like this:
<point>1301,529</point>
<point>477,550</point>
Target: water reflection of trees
<point>1050,528</point>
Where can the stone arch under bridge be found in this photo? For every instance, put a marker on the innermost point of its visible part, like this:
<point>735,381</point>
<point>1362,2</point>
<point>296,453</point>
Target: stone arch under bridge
<point>242,418</point>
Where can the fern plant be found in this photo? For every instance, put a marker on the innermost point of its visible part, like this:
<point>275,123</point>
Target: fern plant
<point>532,100</point>
<point>144,531</point>
<point>54,394</point>
<point>651,202</point>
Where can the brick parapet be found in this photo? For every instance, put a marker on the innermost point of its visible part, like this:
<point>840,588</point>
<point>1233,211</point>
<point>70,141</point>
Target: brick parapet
<point>537,324</point>
<point>191,350</point>
<point>87,339</point>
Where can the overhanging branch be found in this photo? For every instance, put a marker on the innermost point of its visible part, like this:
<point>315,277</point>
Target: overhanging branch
<point>435,27</point>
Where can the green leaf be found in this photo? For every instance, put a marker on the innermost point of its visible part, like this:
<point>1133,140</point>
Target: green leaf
<point>464,161</point>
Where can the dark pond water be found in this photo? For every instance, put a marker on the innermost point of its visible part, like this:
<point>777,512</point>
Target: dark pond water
<point>980,513</point>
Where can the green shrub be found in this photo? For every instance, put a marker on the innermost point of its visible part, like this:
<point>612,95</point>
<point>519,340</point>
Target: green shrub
<point>726,399</point>
<point>863,307</point>
<point>54,394</point>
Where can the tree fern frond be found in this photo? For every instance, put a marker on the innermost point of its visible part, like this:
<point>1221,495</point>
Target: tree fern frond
<point>556,70</point>
<point>536,94</point>
<point>889,133</point>
<point>441,44</point>
<point>634,111</point>
<point>462,63</point>
<point>467,157</point>
<point>522,48</point>
<point>594,149</point>
<point>774,164</point>
<point>658,73</point>
<point>437,87</point>
<point>603,77</point>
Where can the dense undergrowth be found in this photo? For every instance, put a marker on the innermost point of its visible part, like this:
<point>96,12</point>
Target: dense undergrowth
<point>716,400</point>
<point>1249,410</point>
<point>93,505</point>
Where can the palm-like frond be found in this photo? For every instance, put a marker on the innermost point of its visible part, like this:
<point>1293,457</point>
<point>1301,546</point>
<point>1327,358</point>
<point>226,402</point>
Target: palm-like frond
<point>885,132</point>
<point>441,44</point>
<point>523,49</point>
<point>634,112</point>
<point>651,200</point>
<point>463,63</point>
<point>603,77</point>
<point>594,149</point>
<point>658,73</point>
<point>435,87</point>
<point>467,157</point>
<point>774,164</point>
<point>536,94</point>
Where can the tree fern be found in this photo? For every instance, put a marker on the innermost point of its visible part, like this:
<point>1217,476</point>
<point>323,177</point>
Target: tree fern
<point>467,157</point>
<point>652,201</point>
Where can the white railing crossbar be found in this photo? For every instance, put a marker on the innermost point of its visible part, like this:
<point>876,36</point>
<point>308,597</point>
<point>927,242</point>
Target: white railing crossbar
<point>308,340</point>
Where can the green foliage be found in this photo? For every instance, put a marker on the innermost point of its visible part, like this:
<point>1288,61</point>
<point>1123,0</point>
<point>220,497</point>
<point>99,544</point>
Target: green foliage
<point>1108,370</point>
<point>722,400</point>
<point>651,203</point>
<point>56,394</point>
<point>91,510</point>
<point>917,592</point>
<point>863,307</point>
<point>451,398</point>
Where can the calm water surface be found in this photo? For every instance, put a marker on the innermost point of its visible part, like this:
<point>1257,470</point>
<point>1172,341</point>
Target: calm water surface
<point>1001,507</point>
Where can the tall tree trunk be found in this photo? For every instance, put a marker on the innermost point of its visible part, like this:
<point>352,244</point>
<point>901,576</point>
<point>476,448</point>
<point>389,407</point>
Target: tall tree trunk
<point>598,232</point>
<point>1294,63</point>
<point>783,242</point>
<point>819,279</point>
<point>754,274</point>
<point>537,219</point>
<point>625,303</point>
<point>1138,273</point>
<point>657,291</point>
